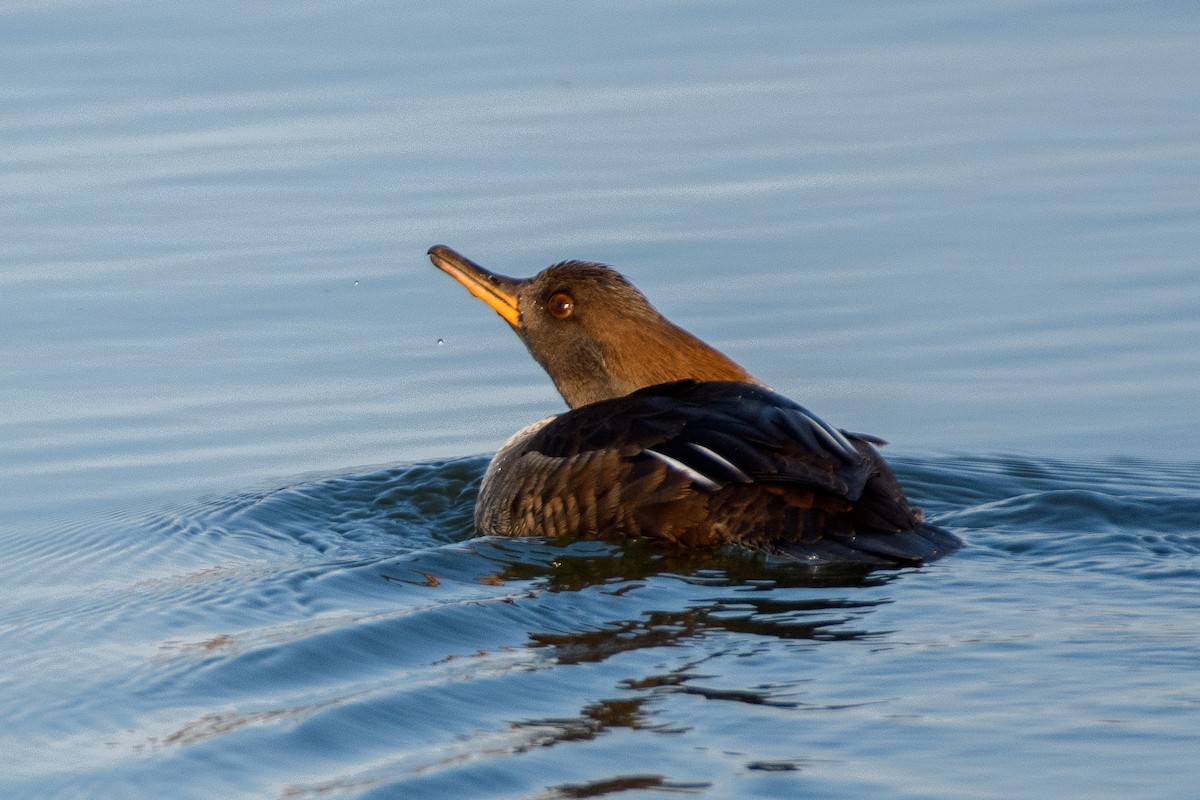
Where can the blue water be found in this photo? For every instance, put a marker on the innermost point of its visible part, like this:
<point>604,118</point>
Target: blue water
<point>346,636</point>
<point>242,418</point>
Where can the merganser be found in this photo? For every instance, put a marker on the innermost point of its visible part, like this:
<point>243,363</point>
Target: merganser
<point>669,439</point>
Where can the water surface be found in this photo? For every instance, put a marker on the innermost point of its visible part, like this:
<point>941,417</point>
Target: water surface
<point>243,418</point>
<point>346,636</point>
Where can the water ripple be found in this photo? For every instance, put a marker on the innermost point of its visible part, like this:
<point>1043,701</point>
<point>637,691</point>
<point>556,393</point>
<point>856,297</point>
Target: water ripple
<point>351,625</point>
<point>1124,516</point>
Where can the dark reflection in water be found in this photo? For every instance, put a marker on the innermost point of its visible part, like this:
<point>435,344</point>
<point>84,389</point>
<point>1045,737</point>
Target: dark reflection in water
<point>667,628</point>
<point>624,783</point>
<point>575,565</point>
<point>619,570</point>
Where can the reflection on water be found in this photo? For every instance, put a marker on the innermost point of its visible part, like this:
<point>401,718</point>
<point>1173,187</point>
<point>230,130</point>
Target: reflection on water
<point>564,565</point>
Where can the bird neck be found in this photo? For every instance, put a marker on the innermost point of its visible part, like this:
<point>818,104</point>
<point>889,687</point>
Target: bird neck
<point>632,359</point>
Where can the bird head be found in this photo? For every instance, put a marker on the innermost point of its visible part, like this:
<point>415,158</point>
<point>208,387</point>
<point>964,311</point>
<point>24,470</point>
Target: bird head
<point>593,332</point>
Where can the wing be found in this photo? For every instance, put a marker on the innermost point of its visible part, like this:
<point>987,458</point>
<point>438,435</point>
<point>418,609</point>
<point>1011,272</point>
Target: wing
<point>715,433</point>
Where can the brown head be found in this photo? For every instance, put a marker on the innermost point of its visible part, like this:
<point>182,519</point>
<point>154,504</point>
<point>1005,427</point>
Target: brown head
<point>596,335</point>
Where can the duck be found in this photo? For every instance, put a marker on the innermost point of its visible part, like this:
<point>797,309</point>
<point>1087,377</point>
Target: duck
<point>666,438</point>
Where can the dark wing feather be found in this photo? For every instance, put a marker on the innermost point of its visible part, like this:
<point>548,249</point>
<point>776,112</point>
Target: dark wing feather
<point>727,432</point>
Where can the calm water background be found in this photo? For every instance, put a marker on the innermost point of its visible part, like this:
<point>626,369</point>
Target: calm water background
<point>970,228</point>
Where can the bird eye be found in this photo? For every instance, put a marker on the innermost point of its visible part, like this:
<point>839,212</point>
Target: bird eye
<point>561,305</point>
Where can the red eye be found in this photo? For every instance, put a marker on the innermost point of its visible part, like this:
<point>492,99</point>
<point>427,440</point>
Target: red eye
<point>561,305</point>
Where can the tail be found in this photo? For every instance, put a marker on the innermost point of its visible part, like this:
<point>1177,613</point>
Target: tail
<point>910,548</point>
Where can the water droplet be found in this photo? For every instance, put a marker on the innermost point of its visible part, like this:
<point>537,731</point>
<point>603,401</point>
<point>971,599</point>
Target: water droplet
<point>441,342</point>
<point>356,283</point>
